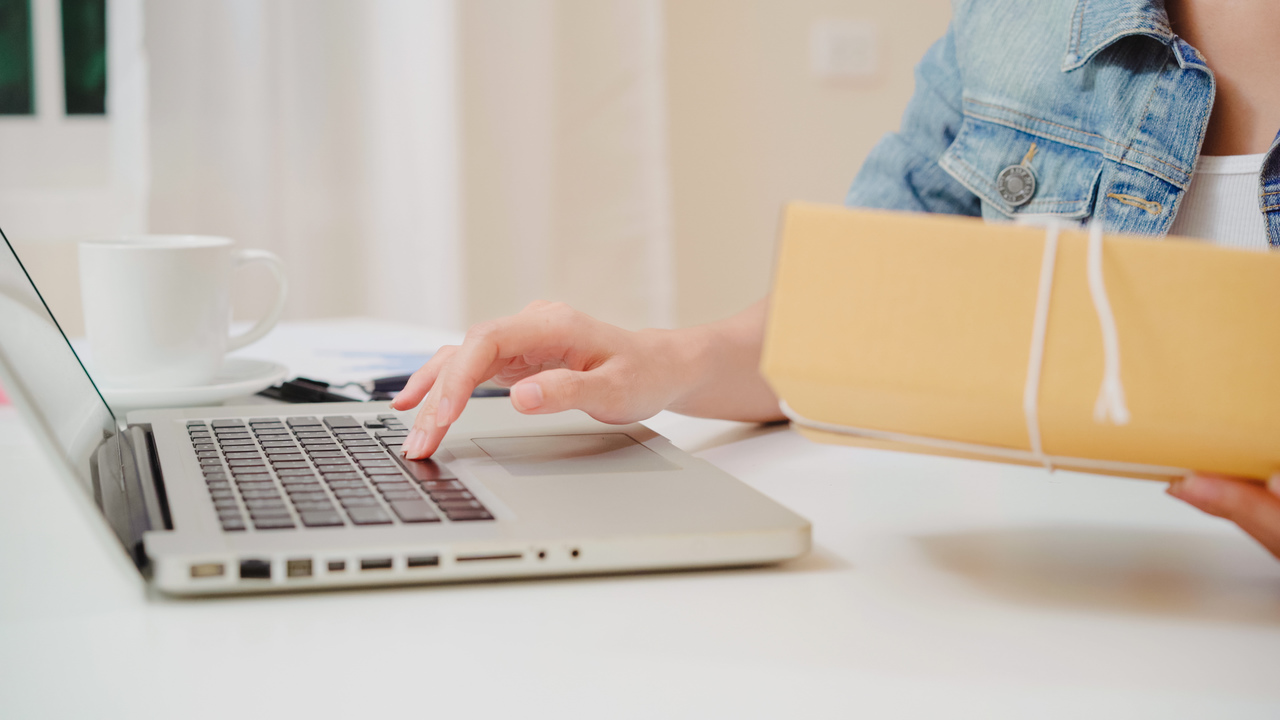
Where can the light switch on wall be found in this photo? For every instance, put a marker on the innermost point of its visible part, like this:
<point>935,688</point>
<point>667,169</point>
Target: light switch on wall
<point>844,49</point>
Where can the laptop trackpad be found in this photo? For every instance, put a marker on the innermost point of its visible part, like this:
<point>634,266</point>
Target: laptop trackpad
<point>599,453</point>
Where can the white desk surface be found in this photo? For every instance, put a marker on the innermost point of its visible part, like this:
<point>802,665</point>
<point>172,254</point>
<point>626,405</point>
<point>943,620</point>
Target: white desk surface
<point>936,588</point>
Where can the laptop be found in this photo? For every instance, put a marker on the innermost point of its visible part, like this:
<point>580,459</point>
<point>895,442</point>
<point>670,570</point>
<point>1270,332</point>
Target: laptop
<point>267,498</point>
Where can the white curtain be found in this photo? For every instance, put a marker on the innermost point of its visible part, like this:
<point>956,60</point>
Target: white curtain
<point>323,130</point>
<point>420,159</point>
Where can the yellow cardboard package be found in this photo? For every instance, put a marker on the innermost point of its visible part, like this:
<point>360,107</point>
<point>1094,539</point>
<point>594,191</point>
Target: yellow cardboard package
<point>915,332</point>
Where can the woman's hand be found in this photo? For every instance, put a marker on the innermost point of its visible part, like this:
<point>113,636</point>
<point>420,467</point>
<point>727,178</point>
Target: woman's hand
<point>555,358</point>
<point>1256,509</point>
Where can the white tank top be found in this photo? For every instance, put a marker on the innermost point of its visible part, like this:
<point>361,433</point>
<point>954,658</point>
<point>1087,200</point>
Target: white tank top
<point>1221,205</point>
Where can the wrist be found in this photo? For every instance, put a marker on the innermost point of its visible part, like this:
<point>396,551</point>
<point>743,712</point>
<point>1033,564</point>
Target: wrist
<point>681,357</point>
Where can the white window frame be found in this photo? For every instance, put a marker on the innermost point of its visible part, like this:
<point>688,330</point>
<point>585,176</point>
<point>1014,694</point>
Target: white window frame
<point>73,177</point>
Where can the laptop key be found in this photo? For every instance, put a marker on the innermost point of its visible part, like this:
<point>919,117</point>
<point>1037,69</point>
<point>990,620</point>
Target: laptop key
<point>451,496</point>
<point>229,422</point>
<point>368,516</point>
<point>437,485</point>
<point>352,492</point>
<point>414,511</point>
<point>249,495</point>
<point>321,518</point>
<point>425,470</point>
<point>451,505</point>
<point>273,523</point>
<point>362,501</point>
<point>380,462</point>
<point>305,492</point>
<point>290,465</point>
<point>234,437</point>
<point>394,496</point>
<point>310,496</point>
<point>341,421</point>
<point>235,525</point>
<point>295,472</point>
<point>466,515</point>
<point>309,505</point>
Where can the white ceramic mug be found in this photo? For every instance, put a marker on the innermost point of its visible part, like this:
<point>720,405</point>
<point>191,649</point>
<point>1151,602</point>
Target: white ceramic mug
<point>157,308</point>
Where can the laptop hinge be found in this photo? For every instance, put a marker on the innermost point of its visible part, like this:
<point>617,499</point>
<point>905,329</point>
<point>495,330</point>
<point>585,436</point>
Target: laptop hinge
<point>129,489</point>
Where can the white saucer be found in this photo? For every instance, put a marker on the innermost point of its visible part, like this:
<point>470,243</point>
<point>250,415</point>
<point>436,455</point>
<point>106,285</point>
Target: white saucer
<point>239,376</point>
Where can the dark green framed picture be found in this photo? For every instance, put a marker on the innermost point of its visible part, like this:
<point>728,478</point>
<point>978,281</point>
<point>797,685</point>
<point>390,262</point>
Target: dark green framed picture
<point>84,56</point>
<point>17,67</point>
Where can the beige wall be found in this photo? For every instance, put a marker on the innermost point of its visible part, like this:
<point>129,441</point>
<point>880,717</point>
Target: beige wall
<point>751,127</point>
<point>564,160</point>
<point>558,147</point>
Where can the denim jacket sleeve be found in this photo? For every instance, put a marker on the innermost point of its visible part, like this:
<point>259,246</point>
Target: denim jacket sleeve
<point>902,171</point>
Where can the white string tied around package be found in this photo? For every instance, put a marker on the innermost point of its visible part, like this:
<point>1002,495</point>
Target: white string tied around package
<point>1110,406</point>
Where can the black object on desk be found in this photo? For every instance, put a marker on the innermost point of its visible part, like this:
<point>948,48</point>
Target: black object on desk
<point>306,390</point>
<point>385,388</point>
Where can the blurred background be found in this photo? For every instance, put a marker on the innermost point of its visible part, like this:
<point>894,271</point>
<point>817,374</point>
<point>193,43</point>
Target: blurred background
<point>448,161</point>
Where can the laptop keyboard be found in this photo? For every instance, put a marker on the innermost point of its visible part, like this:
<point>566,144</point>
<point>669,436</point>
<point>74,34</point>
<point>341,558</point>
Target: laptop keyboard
<point>321,472</point>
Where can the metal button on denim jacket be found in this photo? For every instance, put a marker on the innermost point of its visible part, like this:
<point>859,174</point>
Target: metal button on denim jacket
<point>1102,104</point>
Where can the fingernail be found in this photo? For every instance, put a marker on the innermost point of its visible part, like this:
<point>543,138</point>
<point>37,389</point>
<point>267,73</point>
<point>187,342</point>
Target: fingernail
<point>1274,484</point>
<point>528,396</point>
<point>442,412</point>
<point>415,443</point>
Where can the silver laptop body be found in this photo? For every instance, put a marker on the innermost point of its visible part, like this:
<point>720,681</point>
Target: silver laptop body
<point>284,497</point>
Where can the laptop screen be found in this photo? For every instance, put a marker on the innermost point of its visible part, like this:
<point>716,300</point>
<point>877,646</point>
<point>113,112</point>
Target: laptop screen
<point>40,370</point>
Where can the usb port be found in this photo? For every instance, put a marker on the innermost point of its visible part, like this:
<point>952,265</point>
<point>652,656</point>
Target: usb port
<point>375,564</point>
<point>255,569</point>
<point>204,570</point>
<point>337,565</point>
<point>418,561</point>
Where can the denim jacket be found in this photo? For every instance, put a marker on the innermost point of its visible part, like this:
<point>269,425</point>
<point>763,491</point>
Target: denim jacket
<point>1098,99</point>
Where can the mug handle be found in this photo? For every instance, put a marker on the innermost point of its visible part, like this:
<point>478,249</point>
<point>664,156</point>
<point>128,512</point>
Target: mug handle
<point>244,257</point>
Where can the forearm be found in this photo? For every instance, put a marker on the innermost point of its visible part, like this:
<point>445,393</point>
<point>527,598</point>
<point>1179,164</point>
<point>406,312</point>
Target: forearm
<point>716,369</point>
